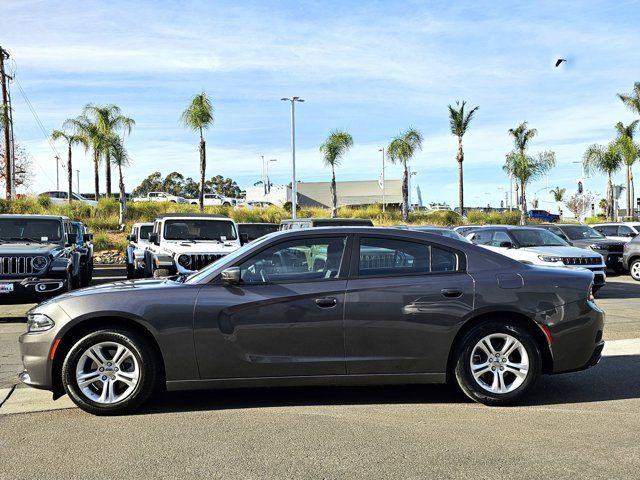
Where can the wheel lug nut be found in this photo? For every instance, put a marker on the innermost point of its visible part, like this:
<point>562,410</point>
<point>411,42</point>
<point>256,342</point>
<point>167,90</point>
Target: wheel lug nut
<point>101,369</point>
<point>491,360</point>
<point>493,368</point>
<point>115,369</point>
<point>501,368</point>
<point>504,359</point>
<point>104,377</point>
<point>108,364</point>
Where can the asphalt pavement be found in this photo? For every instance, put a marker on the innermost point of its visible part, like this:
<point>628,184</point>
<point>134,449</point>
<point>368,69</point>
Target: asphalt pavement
<point>577,425</point>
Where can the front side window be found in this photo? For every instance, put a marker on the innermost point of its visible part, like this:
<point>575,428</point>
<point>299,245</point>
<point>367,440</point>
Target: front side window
<point>302,260</point>
<point>199,230</point>
<point>580,232</point>
<point>391,257</point>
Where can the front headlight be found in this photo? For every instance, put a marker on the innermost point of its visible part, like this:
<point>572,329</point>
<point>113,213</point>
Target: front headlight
<point>595,246</point>
<point>550,259</point>
<point>39,262</point>
<point>184,261</point>
<point>38,322</point>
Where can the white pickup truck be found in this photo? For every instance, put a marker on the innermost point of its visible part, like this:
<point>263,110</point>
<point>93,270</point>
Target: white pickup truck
<point>185,243</point>
<point>214,199</point>
<point>160,197</point>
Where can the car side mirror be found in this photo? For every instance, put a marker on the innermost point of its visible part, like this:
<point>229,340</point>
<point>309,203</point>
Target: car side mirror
<point>87,237</point>
<point>506,244</point>
<point>72,238</point>
<point>131,238</point>
<point>231,275</point>
<point>154,238</point>
<point>244,238</point>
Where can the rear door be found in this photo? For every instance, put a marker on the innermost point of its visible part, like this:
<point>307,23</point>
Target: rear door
<point>404,305</point>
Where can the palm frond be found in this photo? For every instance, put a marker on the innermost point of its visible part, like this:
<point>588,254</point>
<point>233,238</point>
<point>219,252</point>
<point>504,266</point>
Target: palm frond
<point>199,113</point>
<point>336,146</point>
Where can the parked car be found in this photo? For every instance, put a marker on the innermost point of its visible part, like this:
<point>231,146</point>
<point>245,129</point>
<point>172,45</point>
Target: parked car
<point>309,307</point>
<point>464,229</point>
<point>84,247</point>
<point>160,197</point>
<point>61,197</point>
<point>253,231</point>
<point>623,231</point>
<point>138,242</point>
<point>298,223</point>
<point>537,246</point>
<point>631,258</point>
<point>254,204</point>
<point>583,236</point>
<point>543,216</point>
<point>214,199</point>
<point>38,257</point>
<point>446,232</point>
<point>185,243</point>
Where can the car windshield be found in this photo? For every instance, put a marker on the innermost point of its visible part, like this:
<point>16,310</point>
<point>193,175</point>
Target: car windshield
<point>534,237</point>
<point>145,230</point>
<point>578,232</point>
<point>257,230</point>
<point>30,229</point>
<point>445,233</point>
<point>199,230</point>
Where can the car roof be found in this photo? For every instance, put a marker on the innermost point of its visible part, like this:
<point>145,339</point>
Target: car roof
<point>143,224</point>
<point>366,231</point>
<point>192,215</point>
<point>328,220</point>
<point>257,223</point>
<point>31,215</point>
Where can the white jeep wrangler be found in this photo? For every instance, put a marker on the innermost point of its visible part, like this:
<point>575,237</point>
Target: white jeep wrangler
<point>185,243</point>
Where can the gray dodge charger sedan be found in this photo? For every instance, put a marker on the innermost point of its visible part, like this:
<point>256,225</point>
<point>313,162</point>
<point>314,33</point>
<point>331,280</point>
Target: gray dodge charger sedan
<point>339,305</point>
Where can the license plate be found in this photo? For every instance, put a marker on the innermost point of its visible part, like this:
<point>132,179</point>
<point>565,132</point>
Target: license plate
<point>6,287</point>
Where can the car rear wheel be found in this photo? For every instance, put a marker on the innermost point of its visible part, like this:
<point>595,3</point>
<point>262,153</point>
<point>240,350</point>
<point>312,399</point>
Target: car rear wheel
<point>634,269</point>
<point>110,372</point>
<point>497,363</point>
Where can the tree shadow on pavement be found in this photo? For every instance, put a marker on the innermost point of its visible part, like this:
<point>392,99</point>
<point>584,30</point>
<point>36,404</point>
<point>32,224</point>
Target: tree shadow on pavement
<point>615,378</point>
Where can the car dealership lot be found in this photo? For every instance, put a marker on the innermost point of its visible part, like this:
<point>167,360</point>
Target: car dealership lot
<point>577,424</point>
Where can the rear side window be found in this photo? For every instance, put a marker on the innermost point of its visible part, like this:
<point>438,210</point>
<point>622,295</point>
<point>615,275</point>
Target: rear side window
<point>391,257</point>
<point>481,237</point>
<point>608,230</point>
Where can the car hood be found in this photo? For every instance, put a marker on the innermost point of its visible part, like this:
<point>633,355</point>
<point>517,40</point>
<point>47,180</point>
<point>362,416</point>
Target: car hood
<point>586,242</point>
<point>200,247</point>
<point>15,248</point>
<point>561,251</point>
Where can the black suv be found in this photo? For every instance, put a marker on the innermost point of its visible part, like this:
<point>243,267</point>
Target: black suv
<point>85,248</point>
<point>584,236</point>
<point>38,257</point>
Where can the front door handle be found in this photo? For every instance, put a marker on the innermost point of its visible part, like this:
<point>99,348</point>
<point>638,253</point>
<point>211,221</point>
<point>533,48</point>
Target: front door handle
<point>327,302</point>
<point>451,292</point>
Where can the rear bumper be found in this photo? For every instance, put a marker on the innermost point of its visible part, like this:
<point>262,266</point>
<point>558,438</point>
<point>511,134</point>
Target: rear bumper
<point>577,337</point>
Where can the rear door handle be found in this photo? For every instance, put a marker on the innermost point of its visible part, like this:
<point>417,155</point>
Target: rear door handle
<point>451,292</point>
<point>326,302</point>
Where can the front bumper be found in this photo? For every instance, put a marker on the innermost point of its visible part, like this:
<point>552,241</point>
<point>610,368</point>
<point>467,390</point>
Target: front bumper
<point>35,350</point>
<point>31,287</point>
<point>577,332</point>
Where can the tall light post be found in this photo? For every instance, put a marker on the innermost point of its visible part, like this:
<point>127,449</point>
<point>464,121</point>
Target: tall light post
<point>57,173</point>
<point>266,167</point>
<point>78,181</point>
<point>382,186</point>
<point>294,187</point>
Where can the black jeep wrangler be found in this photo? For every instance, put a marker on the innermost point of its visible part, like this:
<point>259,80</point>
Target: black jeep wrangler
<point>38,257</point>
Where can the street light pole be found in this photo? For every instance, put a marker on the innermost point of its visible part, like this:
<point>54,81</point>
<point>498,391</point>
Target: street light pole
<point>383,202</point>
<point>57,173</point>
<point>78,181</point>
<point>294,187</point>
<point>267,173</point>
<point>264,185</point>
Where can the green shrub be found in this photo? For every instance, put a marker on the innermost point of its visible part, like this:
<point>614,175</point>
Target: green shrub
<point>44,201</point>
<point>600,218</point>
<point>496,218</point>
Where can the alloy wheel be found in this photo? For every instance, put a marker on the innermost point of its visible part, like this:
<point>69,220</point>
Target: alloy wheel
<point>107,372</point>
<point>499,363</point>
<point>635,270</point>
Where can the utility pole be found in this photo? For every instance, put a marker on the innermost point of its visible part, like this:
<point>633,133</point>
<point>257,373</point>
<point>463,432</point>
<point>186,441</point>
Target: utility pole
<point>294,186</point>
<point>8,160</point>
<point>383,202</point>
<point>78,181</point>
<point>57,173</point>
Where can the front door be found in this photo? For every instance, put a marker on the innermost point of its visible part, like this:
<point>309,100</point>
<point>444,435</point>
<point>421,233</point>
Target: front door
<point>405,306</point>
<point>285,318</point>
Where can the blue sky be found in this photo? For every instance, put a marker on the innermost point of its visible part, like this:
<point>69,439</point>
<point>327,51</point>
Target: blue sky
<point>373,68</point>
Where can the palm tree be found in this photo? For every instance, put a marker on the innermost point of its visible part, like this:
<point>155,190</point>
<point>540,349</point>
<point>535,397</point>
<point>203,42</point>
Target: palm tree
<point>630,151</point>
<point>333,149</point>
<point>93,139</point>
<point>71,138</point>
<point>459,121</point>
<point>110,121</point>
<point>401,149</point>
<point>525,169</point>
<point>558,196</point>
<point>607,160</point>
<point>199,116</point>
<point>632,100</point>
<point>120,158</point>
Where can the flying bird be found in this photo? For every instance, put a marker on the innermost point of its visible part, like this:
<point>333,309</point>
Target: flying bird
<point>559,61</point>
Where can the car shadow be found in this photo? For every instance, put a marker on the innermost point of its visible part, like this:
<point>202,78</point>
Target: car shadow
<point>615,378</point>
<point>613,290</point>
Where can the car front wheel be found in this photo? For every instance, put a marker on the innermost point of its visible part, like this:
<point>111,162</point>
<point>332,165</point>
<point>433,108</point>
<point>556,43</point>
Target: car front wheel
<point>634,269</point>
<point>110,372</point>
<point>498,363</point>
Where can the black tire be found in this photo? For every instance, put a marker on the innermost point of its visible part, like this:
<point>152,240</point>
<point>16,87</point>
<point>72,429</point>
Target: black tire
<point>84,275</point>
<point>68,282</point>
<point>131,271</point>
<point>144,355</point>
<point>464,376</point>
<point>90,270</point>
<point>634,269</point>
